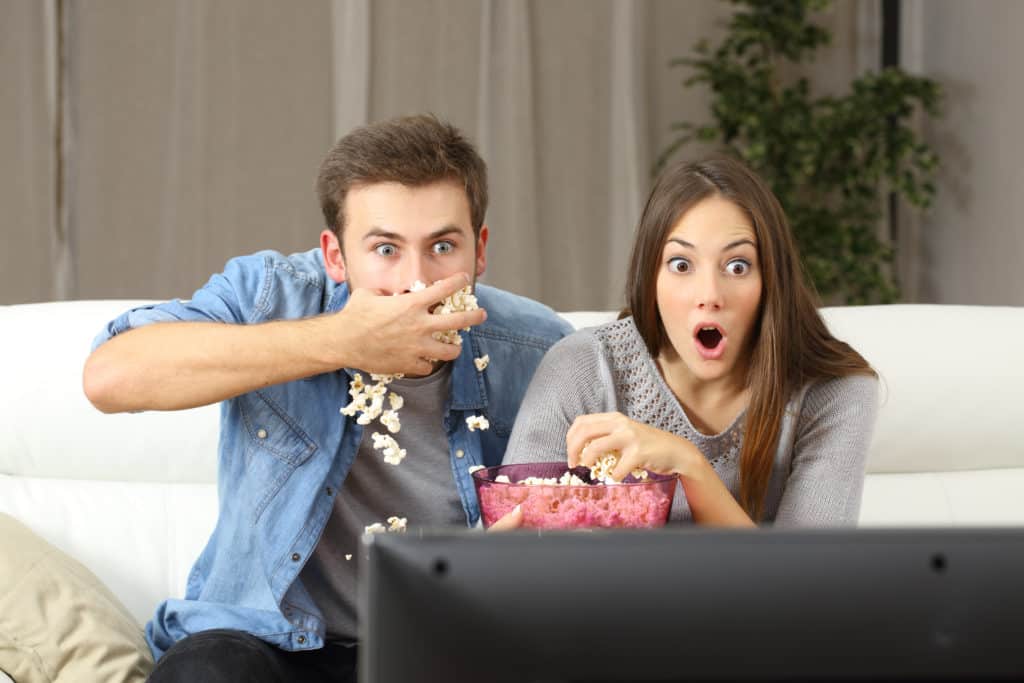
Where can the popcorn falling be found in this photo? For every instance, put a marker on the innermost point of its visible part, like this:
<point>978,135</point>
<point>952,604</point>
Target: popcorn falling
<point>475,422</point>
<point>375,528</point>
<point>367,402</point>
<point>397,524</point>
<point>348,556</point>
<point>481,362</point>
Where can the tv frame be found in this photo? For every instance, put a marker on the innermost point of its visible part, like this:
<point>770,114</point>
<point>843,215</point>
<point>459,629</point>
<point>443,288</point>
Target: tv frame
<point>693,604</point>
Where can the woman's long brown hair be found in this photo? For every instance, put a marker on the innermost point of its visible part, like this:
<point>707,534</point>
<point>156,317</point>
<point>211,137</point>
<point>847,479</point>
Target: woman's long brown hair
<point>791,345</point>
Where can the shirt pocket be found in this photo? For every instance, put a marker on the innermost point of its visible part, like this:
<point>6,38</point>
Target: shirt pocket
<point>269,429</point>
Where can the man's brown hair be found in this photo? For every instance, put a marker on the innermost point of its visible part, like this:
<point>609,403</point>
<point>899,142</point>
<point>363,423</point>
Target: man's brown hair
<point>413,151</point>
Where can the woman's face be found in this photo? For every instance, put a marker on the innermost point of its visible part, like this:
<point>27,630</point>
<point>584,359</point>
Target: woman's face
<point>709,290</point>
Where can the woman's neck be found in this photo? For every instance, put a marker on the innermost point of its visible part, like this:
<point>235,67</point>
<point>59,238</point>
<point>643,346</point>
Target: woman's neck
<point>712,405</point>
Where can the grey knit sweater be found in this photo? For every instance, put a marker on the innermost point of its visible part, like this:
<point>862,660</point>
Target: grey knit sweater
<point>818,473</point>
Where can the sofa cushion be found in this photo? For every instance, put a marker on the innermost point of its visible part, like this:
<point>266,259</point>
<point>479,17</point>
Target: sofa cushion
<point>58,622</point>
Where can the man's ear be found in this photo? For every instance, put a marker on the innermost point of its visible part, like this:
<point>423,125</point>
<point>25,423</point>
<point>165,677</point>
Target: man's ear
<point>481,251</point>
<point>334,261</point>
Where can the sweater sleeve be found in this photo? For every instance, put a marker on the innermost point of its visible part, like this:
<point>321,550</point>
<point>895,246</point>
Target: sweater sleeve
<point>830,451</point>
<point>573,379</point>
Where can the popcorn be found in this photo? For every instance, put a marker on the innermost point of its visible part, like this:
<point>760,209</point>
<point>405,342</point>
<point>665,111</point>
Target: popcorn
<point>389,418</point>
<point>503,479</point>
<point>474,468</point>
<point>460,301</point>
<point>602,469</point>
<point>395,525</point>
<point>367,402</point>
<point>393,454</point>
<point>567,479</point>
<point>481,362</point>
<point>475,422</point>
<point>348,556</point>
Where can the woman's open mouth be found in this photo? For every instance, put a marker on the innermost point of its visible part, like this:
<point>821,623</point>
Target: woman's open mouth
<point>709,340</point>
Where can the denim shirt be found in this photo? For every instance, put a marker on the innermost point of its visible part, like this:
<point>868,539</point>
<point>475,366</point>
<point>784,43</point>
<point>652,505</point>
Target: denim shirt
<point>285,450</point>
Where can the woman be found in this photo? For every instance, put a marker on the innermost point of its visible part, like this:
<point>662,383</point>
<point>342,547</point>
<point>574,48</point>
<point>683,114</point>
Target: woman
<point>721,371</point>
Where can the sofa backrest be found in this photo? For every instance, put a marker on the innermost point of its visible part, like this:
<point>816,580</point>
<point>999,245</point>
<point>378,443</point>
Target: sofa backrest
<point>134,498</point>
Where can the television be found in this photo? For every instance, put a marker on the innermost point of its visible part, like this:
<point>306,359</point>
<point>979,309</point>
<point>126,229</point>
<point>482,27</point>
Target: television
<point>693,604</point>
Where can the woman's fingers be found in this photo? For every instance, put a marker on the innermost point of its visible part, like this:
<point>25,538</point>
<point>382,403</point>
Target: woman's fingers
<point>585,429</point>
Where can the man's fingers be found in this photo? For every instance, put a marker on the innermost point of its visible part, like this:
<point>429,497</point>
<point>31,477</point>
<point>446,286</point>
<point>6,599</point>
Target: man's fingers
<point>441,351</point>
<point>512,520</point>
<point>442,289</point>
<point>457,321</point>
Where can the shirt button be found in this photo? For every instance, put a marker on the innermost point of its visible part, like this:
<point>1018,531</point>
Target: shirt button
<point>302,640</point>
<point>459,453</point>
<point>262,433</point>
<point>296,557</point>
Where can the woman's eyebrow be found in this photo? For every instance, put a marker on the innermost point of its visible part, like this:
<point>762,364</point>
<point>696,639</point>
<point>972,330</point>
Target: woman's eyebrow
<point>731,245</point>
<point>739,242</point>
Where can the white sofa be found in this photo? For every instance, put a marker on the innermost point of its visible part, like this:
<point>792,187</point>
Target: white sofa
<point>133,496</point>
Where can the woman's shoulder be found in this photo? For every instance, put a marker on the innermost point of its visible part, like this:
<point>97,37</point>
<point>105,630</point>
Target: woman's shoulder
<point>609,340</point>
<point>857,393</point>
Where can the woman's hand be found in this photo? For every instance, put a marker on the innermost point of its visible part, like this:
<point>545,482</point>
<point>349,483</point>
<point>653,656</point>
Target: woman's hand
<point>640,446</point>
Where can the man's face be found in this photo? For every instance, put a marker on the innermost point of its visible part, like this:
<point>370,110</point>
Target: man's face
<point>395,235</point>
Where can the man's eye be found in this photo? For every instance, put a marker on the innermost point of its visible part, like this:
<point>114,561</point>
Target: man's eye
<point>737,267</point>
<point>678,265</point>
<point>385,249</point>
<point>443,247</point>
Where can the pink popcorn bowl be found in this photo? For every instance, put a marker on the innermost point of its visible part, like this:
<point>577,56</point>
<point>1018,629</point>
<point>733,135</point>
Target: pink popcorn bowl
<point>634,503</point>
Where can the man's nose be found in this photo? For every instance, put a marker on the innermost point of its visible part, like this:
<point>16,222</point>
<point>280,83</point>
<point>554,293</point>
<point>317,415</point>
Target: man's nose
<point>413,270</point>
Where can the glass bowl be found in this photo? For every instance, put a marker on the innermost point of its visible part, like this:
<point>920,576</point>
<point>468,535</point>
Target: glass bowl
<point>634,503</point>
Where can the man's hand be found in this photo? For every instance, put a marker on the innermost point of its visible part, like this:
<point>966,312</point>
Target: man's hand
<point>512,520</point>
<point>393,334</point>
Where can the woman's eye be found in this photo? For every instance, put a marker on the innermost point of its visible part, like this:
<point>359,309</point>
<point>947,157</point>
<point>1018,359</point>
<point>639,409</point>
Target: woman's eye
<point>678,265</point>
<point>443,247</point>
<point>385,249</point>
<point>737,267</point>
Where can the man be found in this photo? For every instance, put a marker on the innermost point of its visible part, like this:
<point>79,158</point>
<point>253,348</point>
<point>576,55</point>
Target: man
<point>280,340</point>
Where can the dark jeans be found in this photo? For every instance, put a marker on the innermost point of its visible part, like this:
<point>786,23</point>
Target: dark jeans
<point>223,656</point>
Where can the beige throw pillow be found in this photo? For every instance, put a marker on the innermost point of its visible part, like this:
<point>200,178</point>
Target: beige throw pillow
<point>58,622</point>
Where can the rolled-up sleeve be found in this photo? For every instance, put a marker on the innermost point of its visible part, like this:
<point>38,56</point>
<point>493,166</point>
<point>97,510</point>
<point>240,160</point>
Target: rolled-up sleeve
<point>233,296</point>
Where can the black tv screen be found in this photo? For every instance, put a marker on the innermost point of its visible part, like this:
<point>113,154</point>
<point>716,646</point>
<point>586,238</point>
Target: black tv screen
<point>694,604</point>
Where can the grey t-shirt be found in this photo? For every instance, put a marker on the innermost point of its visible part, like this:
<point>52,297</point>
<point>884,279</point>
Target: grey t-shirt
<point>818,472</point>
<point>421,488</point>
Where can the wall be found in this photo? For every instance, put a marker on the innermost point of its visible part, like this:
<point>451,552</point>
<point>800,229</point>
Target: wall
<point>970,246</point>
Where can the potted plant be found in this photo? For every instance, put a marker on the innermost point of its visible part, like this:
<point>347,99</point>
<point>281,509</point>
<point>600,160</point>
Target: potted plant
<point>831,160</point>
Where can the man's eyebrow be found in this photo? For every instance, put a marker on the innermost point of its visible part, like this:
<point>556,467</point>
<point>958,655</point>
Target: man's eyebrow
<point>381,232</point>
<point>446,230</point>
<point>376,232</point>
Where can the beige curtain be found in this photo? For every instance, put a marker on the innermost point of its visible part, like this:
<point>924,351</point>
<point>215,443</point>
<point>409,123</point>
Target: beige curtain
<point>194,129</point>
<point>28,222</point>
